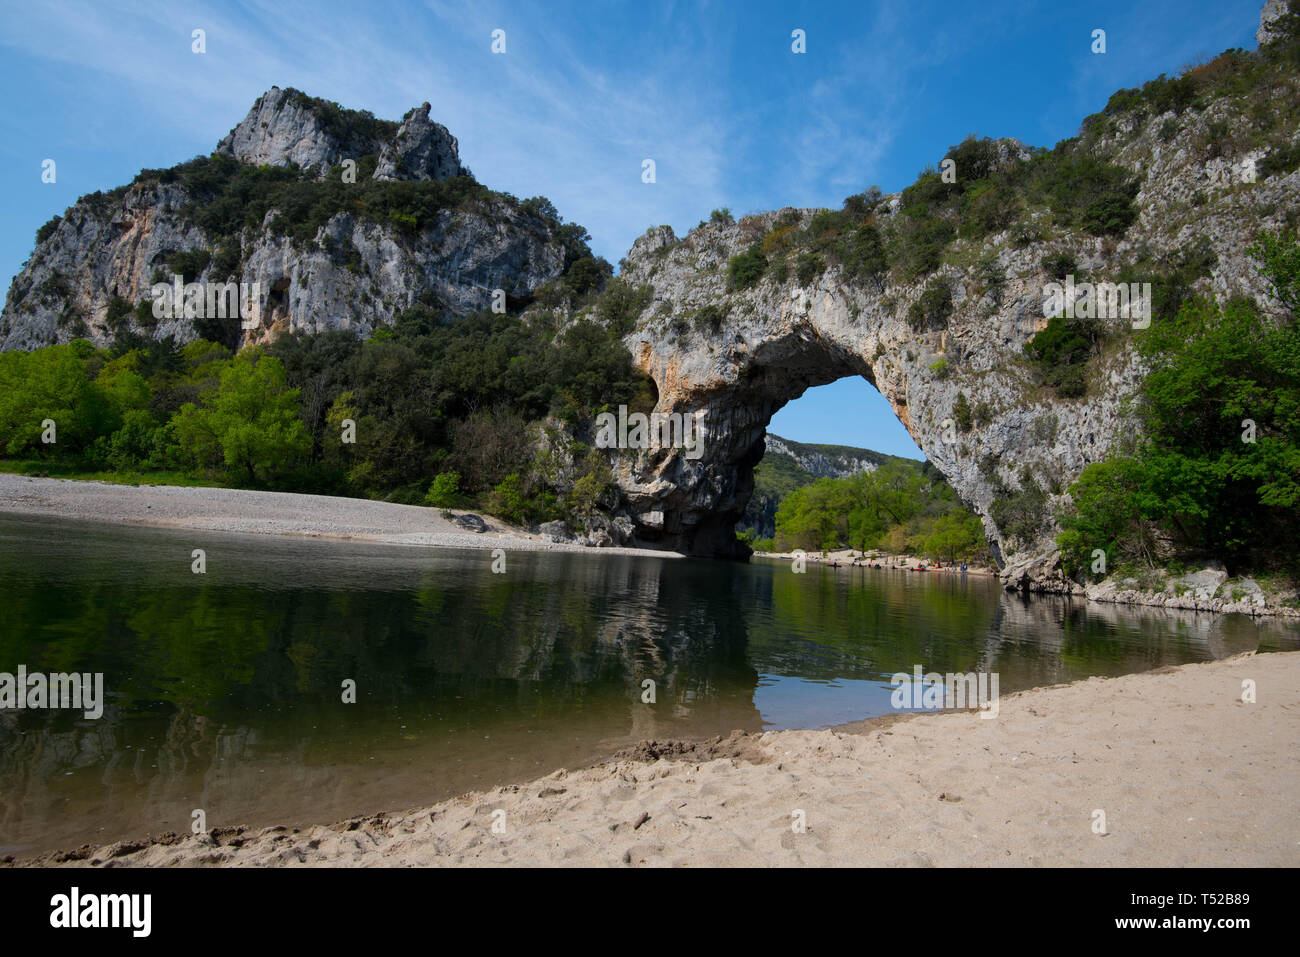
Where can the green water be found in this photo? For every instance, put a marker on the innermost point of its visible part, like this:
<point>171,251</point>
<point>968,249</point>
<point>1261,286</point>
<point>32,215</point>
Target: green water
<point>224,690</point>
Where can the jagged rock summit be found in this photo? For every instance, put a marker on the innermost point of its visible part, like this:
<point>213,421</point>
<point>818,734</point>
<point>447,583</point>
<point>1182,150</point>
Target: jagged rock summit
<point>287,126</point>
<point>315,257</point>
<point>422,149</point>
<point>1269,29</point>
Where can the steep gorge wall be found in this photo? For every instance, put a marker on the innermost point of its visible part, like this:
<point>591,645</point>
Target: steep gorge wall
<point>782,336</point>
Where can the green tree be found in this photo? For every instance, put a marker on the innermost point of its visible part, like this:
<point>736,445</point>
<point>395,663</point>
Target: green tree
<point>591,487</point>
<point>508,500</point>
<point>745,269</point>
<point>445,490</point>
<point>54,384</point>
<point>955,535</point>
<point>249,422</point>
<point>1111,513</point>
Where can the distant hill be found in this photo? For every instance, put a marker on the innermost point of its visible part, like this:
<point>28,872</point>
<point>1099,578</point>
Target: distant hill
<point>788,465</point>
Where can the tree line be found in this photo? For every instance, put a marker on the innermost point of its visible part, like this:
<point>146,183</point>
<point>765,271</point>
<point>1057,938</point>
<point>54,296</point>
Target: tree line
<point>895,508</point>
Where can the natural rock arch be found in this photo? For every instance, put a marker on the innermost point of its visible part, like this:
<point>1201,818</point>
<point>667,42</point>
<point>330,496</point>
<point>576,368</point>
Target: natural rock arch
<point>709,495</point>
<point>761,347</point>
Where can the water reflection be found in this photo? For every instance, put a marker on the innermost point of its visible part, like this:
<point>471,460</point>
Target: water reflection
<point>224,689</point>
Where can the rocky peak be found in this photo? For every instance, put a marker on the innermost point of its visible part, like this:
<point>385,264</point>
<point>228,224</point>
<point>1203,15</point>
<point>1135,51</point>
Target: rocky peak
<point>280,129</point>
<point>422,149</point>
<point>1269,28</point>
<point>651,241</point>
<point>93,268</point>
<point>287,126</point>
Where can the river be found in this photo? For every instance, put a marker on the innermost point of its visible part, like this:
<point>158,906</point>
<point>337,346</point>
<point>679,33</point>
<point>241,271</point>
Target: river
<point>225,690</point>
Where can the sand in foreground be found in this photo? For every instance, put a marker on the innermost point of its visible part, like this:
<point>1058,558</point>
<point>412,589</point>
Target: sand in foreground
<point>1184,770</point>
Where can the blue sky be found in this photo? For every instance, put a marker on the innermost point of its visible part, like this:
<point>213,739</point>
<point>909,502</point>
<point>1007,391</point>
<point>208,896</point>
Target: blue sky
<point>585,91</point>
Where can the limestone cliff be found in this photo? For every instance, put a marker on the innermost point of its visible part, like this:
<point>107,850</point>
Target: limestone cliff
<point>358,268</point>
<point>961,386</point>
<point>287,126</point>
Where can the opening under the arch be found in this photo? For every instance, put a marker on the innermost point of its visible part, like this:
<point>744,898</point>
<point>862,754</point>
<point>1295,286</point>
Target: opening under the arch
<point>849,411</point>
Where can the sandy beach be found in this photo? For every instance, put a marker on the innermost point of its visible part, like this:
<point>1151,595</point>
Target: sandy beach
<point>1184,771</point>
<point>268,513</point>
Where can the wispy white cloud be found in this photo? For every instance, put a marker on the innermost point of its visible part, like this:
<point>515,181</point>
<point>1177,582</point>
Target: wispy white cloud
<point>582,96</point>
<point>551,116</point>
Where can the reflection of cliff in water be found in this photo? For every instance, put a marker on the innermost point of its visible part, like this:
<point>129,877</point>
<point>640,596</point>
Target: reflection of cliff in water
<point>224,689</point>
<point>1050,639</point>
<point>465,681</point>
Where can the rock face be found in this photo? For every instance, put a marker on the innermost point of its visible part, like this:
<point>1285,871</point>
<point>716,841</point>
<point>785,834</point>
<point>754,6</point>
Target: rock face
<point>283,128</point>
<point>356,274</point>
<point>819,463</point>
<point>782,336</point>
<point>1268,30</point>
<point>471,521</point>
<point>286,126</point>
<point>421,149</point>
<point>1207,590</point>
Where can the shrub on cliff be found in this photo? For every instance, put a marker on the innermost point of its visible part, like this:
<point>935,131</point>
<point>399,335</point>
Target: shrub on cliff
<point>961,413</point>
<point>1060,351</point>
<point>1084,192</point>
<point>932,308</point>
<point>709,318</point>
<point>862,253</point>
<point>620,303</point>
<point>47,230</point>
<point>808,267</point>
<point>746,269</point>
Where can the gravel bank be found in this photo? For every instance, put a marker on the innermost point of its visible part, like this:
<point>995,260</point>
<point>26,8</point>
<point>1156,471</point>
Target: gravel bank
<point>268,513</point>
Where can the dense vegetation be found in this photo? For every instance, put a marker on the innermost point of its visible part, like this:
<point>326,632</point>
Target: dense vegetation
<point>344,126</point>
<point>990,187</point>
<point>898,508</point>
<point>449,413</point>
<point>1218,471</point>
<point>781,473</point>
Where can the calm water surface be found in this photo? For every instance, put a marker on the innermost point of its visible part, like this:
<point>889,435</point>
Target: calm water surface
<point>224,689</point>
